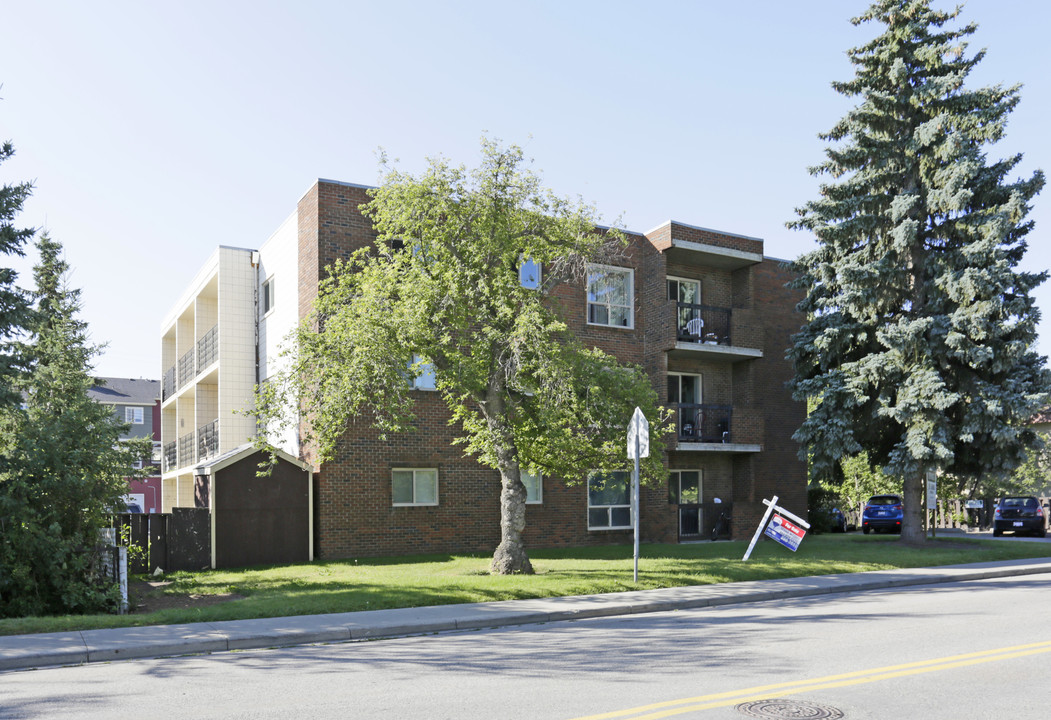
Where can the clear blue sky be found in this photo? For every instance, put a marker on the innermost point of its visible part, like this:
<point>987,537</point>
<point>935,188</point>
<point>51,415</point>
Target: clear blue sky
<point>156,131</point>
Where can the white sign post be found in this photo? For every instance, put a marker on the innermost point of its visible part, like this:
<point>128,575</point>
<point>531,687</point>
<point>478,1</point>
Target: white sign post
<point>771,507</point>
<point>932,498</point>
<point>638,447</point>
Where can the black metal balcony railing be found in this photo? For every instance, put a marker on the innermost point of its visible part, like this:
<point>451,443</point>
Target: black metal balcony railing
<point>703,324</point>
<point>171,456</point>
<point>168,388</point>
<point>186,455</point>
<point>704,423</point>
<point>186,367</point>
<point>208,440</point>
<point>208,348</point>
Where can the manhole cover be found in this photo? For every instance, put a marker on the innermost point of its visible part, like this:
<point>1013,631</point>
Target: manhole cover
<point>787,709</point>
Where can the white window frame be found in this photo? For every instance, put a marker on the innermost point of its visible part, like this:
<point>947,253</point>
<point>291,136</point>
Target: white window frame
<point>534,483</point>
<point>423,378</point>
<point>416,472</point>
<point>134,416</point>
<point>266,296</point>
<point>681,280</point>
<point>677,474</point>
<point>697,419</point>
<point>532,283</point>
<point>629,306</point>
<point>610,508</point>
<point>700,387</point>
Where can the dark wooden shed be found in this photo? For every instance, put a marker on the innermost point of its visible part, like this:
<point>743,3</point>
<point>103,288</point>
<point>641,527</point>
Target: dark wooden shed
<point>257,520</point>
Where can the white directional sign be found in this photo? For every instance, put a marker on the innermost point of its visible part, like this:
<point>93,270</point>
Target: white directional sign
<point>638,429</point>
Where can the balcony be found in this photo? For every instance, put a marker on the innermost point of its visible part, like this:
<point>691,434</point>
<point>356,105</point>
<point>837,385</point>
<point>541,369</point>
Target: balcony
<point>208,348</point>
<point>706,427</point>
<point>703,324</point>
<point>707,330</point>
<point>208,440</point>
<point>168,388</point>
<point>186,368</point>
<point>171,456</point>
<point>186,455</point>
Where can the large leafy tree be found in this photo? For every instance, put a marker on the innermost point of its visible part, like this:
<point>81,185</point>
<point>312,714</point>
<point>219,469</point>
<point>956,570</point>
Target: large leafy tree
<point>921,328</point>
<point>441,292</point>
<point>64,465</point>
<point>14,305</point>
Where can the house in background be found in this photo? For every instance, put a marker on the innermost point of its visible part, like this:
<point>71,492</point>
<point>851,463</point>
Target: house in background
<point>137,402</point>
<point>705,313</point>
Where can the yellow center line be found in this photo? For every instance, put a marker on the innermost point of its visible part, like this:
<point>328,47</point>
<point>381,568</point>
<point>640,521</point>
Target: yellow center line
<point>704,702</point>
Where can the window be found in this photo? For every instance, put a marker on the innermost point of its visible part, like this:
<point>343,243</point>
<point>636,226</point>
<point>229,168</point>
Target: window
<point>529,273</point>
<point>133,415</point>
<point>414,487</point>
<point>267,295</point>
<point>687,293</point>
<point>684,487</point>
<point>534,485</point>
<point>609,500</point>
<point>684,388</point>
<point>685,391</point>
<point>610,296</point>
<point>684,290</point>
<point>423,375</point>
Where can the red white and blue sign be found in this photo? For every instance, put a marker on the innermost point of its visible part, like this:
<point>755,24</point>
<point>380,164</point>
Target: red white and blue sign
<point>785,532</point>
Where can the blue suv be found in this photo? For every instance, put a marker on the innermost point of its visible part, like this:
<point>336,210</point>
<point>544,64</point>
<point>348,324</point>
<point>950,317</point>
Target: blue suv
<point>882,512</point>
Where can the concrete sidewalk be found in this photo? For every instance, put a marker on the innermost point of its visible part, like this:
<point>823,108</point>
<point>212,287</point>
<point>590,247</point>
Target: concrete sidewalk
<point>70,648</point>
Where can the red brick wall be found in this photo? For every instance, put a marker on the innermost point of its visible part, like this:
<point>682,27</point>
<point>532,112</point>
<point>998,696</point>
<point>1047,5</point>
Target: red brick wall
<point>355,513</point>
<point>777,470</point>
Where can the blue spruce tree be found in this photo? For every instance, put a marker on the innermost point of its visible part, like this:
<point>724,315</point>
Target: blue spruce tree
<point>921,327</point>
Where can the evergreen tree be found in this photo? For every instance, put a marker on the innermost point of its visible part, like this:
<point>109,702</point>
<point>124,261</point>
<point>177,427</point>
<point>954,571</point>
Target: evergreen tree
<point>14,305</point>
<point>65,467</point>
<point>920,336</point>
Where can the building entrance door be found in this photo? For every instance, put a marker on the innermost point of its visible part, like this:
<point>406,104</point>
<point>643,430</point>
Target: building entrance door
<point>688,493</point>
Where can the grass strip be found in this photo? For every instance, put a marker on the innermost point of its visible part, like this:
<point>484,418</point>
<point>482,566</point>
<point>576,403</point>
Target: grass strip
<point>383,583</point>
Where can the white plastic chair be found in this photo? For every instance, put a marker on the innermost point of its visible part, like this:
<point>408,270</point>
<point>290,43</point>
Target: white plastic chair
<point>695,327</point>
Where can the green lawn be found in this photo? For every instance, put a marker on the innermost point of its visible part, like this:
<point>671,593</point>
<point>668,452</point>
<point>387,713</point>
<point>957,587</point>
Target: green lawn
<point>378,583</point>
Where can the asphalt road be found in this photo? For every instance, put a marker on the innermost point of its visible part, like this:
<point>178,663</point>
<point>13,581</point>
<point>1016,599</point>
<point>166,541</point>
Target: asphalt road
<point>949,651</point>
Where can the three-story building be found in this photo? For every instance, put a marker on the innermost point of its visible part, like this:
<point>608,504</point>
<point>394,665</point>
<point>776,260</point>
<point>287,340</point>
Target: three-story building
<point>706,313</point>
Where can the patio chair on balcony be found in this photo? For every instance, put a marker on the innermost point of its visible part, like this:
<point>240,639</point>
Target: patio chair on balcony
<point>695,327</point>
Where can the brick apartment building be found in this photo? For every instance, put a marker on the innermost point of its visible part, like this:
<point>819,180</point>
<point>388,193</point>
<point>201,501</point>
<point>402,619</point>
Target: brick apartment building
<point>704,312</point>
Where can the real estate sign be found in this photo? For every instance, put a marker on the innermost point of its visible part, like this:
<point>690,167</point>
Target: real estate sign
<point>785,532</point>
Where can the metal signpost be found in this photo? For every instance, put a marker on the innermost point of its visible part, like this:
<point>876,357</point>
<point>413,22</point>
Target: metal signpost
<point>932,498</point>
<point>638,447</point>
<point>783,531</point>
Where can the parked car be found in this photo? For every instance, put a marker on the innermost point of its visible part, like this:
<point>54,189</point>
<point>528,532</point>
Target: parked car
<point>1021,514</point>
<point>839,520</point>
<point>882,512</point>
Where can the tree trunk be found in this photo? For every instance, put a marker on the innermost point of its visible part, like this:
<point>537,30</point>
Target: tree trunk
<point>912,523</point>
<point>510,556</point>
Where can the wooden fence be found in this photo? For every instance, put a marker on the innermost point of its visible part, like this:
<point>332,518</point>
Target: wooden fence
<point>179,540</point>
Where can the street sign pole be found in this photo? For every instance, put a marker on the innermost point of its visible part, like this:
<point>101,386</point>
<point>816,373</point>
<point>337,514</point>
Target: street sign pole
<point>635,505</point>
<point>932,500</point>
<point>638,447</point>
